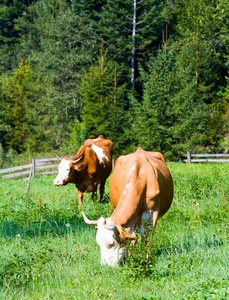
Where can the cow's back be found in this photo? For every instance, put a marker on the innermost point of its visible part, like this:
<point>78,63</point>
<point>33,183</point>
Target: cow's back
<point>150,154</point>
<point>105,145</point>
<point>148,180</point>
<point>103,150</point>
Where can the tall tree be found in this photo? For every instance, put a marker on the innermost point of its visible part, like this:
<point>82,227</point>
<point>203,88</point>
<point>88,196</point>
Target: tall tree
<point>65,46</point>
<point>202,37</point>
<point>19,92</point>
<point>169,119</point>
<point>104,101</point>
<point>11,14</point>
<point>130,30</point>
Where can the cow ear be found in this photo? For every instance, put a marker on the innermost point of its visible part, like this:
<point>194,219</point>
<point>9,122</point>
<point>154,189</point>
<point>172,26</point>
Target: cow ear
<point>80,166</point>
<point>117,236</point>
<point>124,236</point>
<point>129,236</point>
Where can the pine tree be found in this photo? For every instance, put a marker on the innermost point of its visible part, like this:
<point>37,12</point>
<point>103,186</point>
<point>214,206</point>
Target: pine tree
<point>104,99</point>
<point>60,45</point>
<point>129,30</point>
<point>19,93</point>
<point>169,119</point>
<point>12,12</point>
<point>203,43</point>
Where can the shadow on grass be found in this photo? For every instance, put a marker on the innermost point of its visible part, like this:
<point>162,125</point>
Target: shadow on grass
<point>188,244</point>
<point>31,217</point>
<point>62,226</point>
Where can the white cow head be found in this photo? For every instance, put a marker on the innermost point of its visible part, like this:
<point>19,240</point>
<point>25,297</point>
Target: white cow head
<point>66,170</point>
<point>107,238</point>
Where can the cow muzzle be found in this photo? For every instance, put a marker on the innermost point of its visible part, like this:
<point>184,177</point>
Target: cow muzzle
<point>58,182</point>
<point>113,259</point>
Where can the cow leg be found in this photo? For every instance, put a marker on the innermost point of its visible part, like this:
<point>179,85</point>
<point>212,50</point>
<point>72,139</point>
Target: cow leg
<point>80,199</point>
<point>154,223</point>
<point>155,218</point>
<point>94,191</point>
<point>101,191</point>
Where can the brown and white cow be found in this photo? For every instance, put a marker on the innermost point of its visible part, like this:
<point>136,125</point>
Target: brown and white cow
<point>141,188</point>
<point>91,166</point>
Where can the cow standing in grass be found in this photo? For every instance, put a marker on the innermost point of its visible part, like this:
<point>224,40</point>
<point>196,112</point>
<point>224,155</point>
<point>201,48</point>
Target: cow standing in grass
<point>91,166</point>
<point>141,188</point>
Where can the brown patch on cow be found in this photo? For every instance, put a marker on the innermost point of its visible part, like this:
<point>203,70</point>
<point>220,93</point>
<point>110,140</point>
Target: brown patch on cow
<point>85,170</point>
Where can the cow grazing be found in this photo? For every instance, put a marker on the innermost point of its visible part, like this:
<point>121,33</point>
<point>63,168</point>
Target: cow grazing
<point>141,188</point>
<point>91,165</point>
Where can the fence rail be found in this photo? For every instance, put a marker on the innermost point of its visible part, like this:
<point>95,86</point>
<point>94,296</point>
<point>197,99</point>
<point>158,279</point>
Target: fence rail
<point>36,166</point>
<point>48,164</point>
<point>200,158</point>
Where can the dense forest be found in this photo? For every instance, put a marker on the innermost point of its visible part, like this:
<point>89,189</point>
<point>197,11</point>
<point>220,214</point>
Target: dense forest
<point>147,73</point>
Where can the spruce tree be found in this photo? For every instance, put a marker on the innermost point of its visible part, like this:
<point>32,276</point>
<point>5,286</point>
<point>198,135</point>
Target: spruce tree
<point>202,32</point>
<point>169,119</point>
<point>12,12</point>
<point>18,96</point>
<point>129,29</point>
<point>104,100</point>
<point>60,46</point>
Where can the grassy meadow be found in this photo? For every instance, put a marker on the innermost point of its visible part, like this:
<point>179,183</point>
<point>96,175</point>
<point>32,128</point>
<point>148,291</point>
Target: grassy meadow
<point>48,252</point>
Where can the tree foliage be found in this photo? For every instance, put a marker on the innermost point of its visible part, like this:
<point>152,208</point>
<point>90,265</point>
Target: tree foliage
<point>103,100</point>
<point>19,92</point>
<point>169,119</point>
<point>12,12</point>
<point>58,86</point>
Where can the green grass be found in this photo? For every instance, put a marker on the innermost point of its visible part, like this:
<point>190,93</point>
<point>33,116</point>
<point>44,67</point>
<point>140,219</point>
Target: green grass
<point>48,252</point>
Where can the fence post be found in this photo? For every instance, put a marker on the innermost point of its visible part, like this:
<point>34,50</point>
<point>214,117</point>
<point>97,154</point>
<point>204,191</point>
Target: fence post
<point>189,156</point>
<point>33,167</point>
<point>30,176</point>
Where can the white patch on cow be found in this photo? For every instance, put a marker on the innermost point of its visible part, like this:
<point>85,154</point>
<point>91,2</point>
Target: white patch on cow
<point>99,153</point>
<point>132,169</point>
<point>129,180</point>
<point>63,172</point>
<point>111,252</point>
<point>127,185</point>
<point>95,140</point>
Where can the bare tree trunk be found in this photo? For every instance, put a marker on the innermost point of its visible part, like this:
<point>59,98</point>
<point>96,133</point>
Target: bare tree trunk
<point>133,47</point>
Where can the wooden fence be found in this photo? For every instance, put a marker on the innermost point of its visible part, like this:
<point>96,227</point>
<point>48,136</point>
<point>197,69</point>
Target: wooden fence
<point>200,158</point>
<point>37,166</point>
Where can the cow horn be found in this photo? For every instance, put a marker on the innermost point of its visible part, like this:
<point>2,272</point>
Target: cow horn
<point>58,157</point>
<point>75,161</point>
<point>87,221</point>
